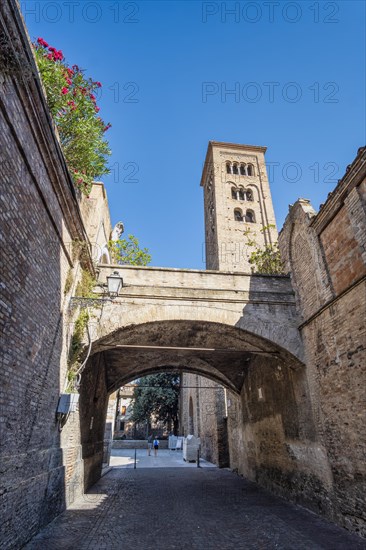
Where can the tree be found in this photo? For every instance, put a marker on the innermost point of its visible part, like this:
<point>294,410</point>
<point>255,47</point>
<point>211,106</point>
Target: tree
<point>266,260</point>
<point>128,251</point>
<point>157,395</point>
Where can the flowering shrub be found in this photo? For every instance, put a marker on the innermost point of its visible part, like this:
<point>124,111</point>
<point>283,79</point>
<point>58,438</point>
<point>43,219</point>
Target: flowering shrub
<point>74,109</point>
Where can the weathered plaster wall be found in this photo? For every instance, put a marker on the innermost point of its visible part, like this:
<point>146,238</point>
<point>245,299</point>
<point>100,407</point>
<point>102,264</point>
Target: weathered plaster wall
<point>272,437</point>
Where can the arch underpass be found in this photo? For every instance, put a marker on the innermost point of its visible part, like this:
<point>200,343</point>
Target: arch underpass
<point>219,352</point>
<point>237,330</point>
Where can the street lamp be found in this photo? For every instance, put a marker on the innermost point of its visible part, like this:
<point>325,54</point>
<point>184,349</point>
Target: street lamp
<point>115,283</point>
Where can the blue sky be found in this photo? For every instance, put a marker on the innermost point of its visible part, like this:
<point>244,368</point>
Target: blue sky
<point>167,68</point>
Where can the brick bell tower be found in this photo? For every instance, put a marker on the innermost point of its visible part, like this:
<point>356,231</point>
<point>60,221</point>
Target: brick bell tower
<point>237,197</point>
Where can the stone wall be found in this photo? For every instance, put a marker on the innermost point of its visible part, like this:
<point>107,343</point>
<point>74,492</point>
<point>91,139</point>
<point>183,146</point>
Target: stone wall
<point>326,255</point>
<point>97,223</point>
<point>272,437</point>
<point>203,415</point>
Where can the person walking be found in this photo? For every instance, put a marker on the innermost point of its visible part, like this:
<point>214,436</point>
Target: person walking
<point>156,446</point>
<point>149,444</point>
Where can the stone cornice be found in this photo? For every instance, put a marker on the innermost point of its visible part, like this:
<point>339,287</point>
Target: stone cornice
<point>187,270</point>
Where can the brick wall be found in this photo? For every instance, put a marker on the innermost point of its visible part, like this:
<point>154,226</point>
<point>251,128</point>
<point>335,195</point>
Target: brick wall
<point>333,308</point>
<point>41,468</point>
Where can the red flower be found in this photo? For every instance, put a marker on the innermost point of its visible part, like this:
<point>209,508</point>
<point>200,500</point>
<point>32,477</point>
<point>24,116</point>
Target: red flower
<point>52,49</point>
<point>69,72</point>
<point>50,56</point>
<point>75,67</point>
<point>65,91</point>
<point>97,109</point>
<point>42,42</point>
<point>69,82</point>
<point>98,84</point>
<point>92,97</point>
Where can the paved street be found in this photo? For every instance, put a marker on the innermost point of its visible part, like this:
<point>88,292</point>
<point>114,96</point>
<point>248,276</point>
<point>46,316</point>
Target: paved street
<point>187,508</point>
<point>124,458</point>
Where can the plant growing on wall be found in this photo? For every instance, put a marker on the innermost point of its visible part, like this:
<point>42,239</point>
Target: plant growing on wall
<point>128,252</point>
<point>71,98</point>
<point>266,260</point>
<point>84,289</point>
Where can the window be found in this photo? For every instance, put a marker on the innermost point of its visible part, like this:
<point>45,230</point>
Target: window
<point>238,216</point>
<point>123,409</point>
<point>122,426</point>
<point>242,170</point>
<point>235,169</point>
<point>234,193</point>
<point>249,216</point>
<point>241,194</point>
<point>250,170</point>
<point>249,195</point>
<point>228,168</point>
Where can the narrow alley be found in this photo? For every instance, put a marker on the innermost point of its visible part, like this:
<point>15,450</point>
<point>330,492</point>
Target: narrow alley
<point>179,506</point>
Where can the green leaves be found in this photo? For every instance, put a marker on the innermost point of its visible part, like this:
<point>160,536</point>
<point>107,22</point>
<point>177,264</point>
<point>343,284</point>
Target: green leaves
<point>128,251</point>
<point>266,260</point>
<point>72,102</point>
<point>157,396</point>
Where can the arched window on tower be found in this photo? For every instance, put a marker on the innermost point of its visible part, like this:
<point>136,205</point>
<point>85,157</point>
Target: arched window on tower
<point>242,169</point>
<point>250,170</point>
<point>249,195</point>
<point>234,193</point>
<point>228,168</point>
<point>235,168</point>
<point>238,215</point>
<point>249,216</point>
<point>241,194</point>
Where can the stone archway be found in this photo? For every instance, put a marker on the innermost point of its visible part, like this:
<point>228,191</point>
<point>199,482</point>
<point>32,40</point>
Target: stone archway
<point>223,354</point>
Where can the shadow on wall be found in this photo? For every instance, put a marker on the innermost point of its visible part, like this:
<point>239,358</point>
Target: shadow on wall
<point>33,268</point>
<point>272,435</point>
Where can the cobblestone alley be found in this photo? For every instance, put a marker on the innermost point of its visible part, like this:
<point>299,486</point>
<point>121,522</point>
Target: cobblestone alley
<point>187,508</point>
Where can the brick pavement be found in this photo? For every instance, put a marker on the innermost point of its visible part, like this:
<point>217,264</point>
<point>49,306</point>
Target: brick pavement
<point>179,509</point>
